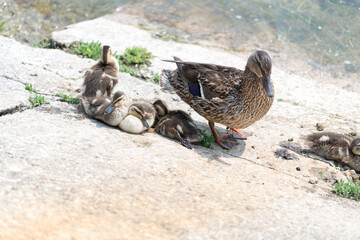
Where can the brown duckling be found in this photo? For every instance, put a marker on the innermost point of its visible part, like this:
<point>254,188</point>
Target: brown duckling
<point>225,95</point>
<point>337,147</point>
<point>101,78</point>
<point>140,117</point>
<point>110,111</point>
<point>176,124</point>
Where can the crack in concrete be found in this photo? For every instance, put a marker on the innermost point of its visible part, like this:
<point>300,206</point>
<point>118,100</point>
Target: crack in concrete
<point>12,79</point>
<point>18,108</point>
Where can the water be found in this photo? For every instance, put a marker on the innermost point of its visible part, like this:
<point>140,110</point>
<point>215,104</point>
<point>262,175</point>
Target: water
<point>325,33</point>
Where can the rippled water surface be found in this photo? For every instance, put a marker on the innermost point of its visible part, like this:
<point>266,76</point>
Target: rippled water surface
<point>324,32</point>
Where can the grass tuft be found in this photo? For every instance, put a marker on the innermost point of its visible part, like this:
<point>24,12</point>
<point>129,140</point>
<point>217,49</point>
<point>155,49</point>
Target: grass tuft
<point>136,55</point>
<point>38,99</point>
<point>46,43</point>
<point>91,50</point>
<point>68,99</point>
<point>29,87</point>
<point>348,189</point>
<point>156,78</point>
<point>207,140</point>
<point>2,25</point>
<point>123,67</point>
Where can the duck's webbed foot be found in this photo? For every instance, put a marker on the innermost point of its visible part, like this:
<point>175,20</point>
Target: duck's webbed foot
<point>239,133</point>
<point>226,141</point>
<point>183,142</point>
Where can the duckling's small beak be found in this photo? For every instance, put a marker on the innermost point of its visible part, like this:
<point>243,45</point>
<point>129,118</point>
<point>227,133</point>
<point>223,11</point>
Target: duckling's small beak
<point>110,108</point>
<point>145,122</point>
<point>267,86</point>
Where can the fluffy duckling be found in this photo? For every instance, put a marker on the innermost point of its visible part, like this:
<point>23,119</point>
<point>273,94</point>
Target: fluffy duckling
<point>355,146</point>
<point>111,112</point>
<point>101,78</point>
<point>337,147</point>
<point>140,118</point>
<point>176,124</point>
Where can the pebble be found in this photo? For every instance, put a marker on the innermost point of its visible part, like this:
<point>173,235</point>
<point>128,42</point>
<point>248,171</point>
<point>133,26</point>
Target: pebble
<point>320,126</point>
<point>313,181</point>
<point>284,154</point>
<point>298,169</point>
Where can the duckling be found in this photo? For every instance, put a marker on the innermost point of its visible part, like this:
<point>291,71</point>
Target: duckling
<point>337,147</point>
<point>176,124</point>
<point>355,146</point>
<point>110,111</point>
<point>101,78</point>
<point>140,118</point>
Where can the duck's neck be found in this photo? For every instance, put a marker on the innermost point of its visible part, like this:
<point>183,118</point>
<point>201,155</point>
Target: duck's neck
<point>251,84</point>
<point>112,62</point>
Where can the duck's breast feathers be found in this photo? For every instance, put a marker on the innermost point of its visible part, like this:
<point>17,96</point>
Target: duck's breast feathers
<point>216,78</point>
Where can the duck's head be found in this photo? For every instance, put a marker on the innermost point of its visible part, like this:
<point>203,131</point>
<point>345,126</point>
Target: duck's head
<point>355,146</point>
<point>119,100</point>
<point>144,112</point>
<point>161,108</point>
<point>260,64</point>
<point>105,54</point>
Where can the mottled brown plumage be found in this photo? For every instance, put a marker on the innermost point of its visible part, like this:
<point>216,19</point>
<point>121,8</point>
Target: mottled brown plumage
<point>176,124</point>
<point>101,78</point>
<point>337,147</point>
<point>229,96</point>
<point>96,107</point>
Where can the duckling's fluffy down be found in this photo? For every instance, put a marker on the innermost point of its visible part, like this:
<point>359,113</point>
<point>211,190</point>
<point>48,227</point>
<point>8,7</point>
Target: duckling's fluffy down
<point>132,124</point>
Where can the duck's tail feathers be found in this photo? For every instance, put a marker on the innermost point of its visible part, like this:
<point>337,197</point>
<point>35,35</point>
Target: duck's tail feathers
<point>165,81</point>
<point>178,62</point>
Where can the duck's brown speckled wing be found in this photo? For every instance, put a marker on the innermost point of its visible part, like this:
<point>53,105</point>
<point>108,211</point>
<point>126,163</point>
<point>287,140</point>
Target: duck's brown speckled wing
<point>217,79</point>
<point>221,85</point>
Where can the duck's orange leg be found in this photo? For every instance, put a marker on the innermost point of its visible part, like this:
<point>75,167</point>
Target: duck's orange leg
<point>221,140</point>
<point>240,132</point>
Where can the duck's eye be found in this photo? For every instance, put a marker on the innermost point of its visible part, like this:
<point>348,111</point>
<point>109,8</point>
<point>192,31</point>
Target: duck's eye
<point>138,112</point>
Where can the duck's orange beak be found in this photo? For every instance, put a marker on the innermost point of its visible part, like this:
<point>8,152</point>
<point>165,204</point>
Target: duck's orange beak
<point>266,83</point>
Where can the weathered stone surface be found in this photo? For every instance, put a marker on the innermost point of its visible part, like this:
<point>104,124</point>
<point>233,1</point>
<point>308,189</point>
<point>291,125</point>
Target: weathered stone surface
<point>48,70</point>
<point>63,175</point>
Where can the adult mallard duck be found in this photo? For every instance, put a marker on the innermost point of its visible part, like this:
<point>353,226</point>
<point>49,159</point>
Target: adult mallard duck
<point>101,78</point>
<point>337,147</point>
<point>110,111</point>
<point>176,124</point>
<point>224,95</point>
